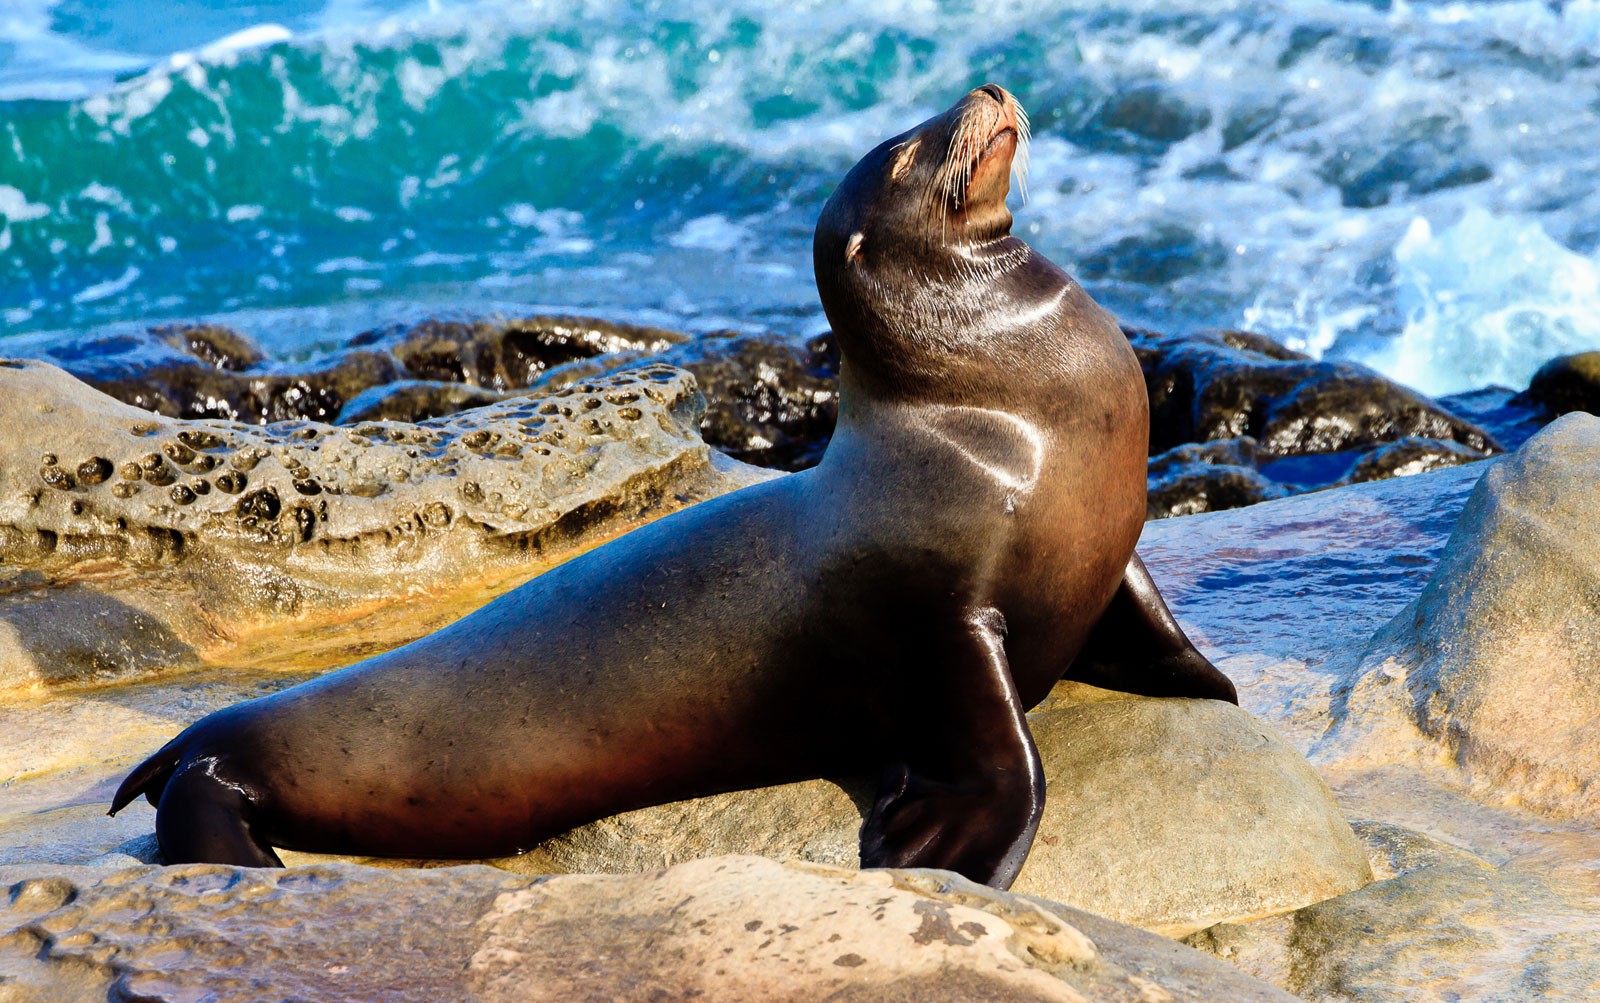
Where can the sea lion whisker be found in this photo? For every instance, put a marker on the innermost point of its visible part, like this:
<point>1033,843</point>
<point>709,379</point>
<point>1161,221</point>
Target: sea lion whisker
<point>1019,161</point>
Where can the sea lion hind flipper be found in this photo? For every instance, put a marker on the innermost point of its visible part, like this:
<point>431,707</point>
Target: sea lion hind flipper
<point>203,819</point>
<point>969,799</point>
<point>148,778</point>
<point>1137,647</point>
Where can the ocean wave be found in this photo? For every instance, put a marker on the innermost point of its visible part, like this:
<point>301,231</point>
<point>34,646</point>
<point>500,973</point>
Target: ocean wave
<point>1252,164</point>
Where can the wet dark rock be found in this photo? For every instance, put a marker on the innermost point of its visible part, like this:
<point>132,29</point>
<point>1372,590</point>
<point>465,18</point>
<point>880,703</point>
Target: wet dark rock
<point>1207,477</point>
<point>416,400</point>
<point>222,347</point>
<point>1409,456</point>
<point>506,354</point>
<point>1236,418</point>
<point>1226,384</point>
<point>770,400</point>
<point>210,371</point>
<point>1564,384</point>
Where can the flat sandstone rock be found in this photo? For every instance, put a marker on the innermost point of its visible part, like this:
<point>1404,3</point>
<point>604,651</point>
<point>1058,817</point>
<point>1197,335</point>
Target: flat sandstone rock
<point>729,928</point>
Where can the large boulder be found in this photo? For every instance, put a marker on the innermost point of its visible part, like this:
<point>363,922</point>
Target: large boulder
<point>1498,659</point>
<point>132,542</point>
<point>726,929</point>
<point>1170,815</point>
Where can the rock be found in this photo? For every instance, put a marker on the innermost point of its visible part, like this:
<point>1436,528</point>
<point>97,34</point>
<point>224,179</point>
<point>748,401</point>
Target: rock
<point>773,400</point>
<point>1495,660</point>
<point>213,371</point>
<point>730,928</point>
<point>1207,477</point>
<point>1407,457</point>
<point>506,353</point>
<point>1225,384</point>
<point>1237,419</point>
<point>134,542</point>
<point>1567,383</point>
<point>416,400</point>
<point>1237,826</point>
<point>1445,926</point>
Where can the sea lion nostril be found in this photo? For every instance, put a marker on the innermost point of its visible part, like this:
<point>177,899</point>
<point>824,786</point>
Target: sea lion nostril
<point>994,91</point>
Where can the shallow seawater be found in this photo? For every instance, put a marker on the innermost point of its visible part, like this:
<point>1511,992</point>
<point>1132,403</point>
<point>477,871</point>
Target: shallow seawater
<point>1408,184</point>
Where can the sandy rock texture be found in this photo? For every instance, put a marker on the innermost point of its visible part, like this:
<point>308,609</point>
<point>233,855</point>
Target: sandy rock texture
<point>131,542</point>
<point>1170,815</point>
<point>728,928</point>
<point>1498,660</point>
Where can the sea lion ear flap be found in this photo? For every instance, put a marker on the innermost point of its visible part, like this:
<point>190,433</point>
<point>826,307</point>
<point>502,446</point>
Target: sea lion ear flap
<point>852,249</point>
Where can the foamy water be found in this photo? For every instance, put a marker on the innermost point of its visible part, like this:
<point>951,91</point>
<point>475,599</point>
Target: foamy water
<point>1411,185</point>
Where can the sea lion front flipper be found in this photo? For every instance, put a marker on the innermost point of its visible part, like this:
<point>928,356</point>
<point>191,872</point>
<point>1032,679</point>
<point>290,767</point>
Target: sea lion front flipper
<point>1138,647</point>
<point>969,796</point>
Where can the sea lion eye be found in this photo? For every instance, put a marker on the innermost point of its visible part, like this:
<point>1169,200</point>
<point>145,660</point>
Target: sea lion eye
<point>852,250</point>
<point>903,160</point>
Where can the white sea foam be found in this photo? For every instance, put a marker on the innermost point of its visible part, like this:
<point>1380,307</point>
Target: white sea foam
<point>15,207</point>
<point>111,287</point>
<point>1485,301</point>
<point>712,233</point>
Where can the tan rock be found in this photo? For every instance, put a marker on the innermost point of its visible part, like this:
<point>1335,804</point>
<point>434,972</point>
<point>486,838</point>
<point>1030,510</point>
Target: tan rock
<point>729,928</point>
<point>1496,660</point>
<point>1447,926</point>
<point>1170,815</point>
<point>133,542</point>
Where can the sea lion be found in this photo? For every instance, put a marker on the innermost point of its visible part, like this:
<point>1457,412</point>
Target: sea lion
<point>969,531</point>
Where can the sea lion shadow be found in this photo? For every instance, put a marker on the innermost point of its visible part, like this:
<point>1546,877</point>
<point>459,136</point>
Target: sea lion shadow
<point>75,634</point>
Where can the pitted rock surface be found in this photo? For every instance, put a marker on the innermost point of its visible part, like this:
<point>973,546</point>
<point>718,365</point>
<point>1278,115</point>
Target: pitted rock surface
<point>726,929</point>
<point>276,520</point>
<point>507,353</point>
<point>772,400</point>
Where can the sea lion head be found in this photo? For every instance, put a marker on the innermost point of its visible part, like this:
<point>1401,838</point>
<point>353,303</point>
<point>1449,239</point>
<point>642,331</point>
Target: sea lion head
<point>918,232</point>
<point>941,184</point>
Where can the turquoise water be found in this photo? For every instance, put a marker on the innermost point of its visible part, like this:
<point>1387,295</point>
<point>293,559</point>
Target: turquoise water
<point>1409,184</point>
